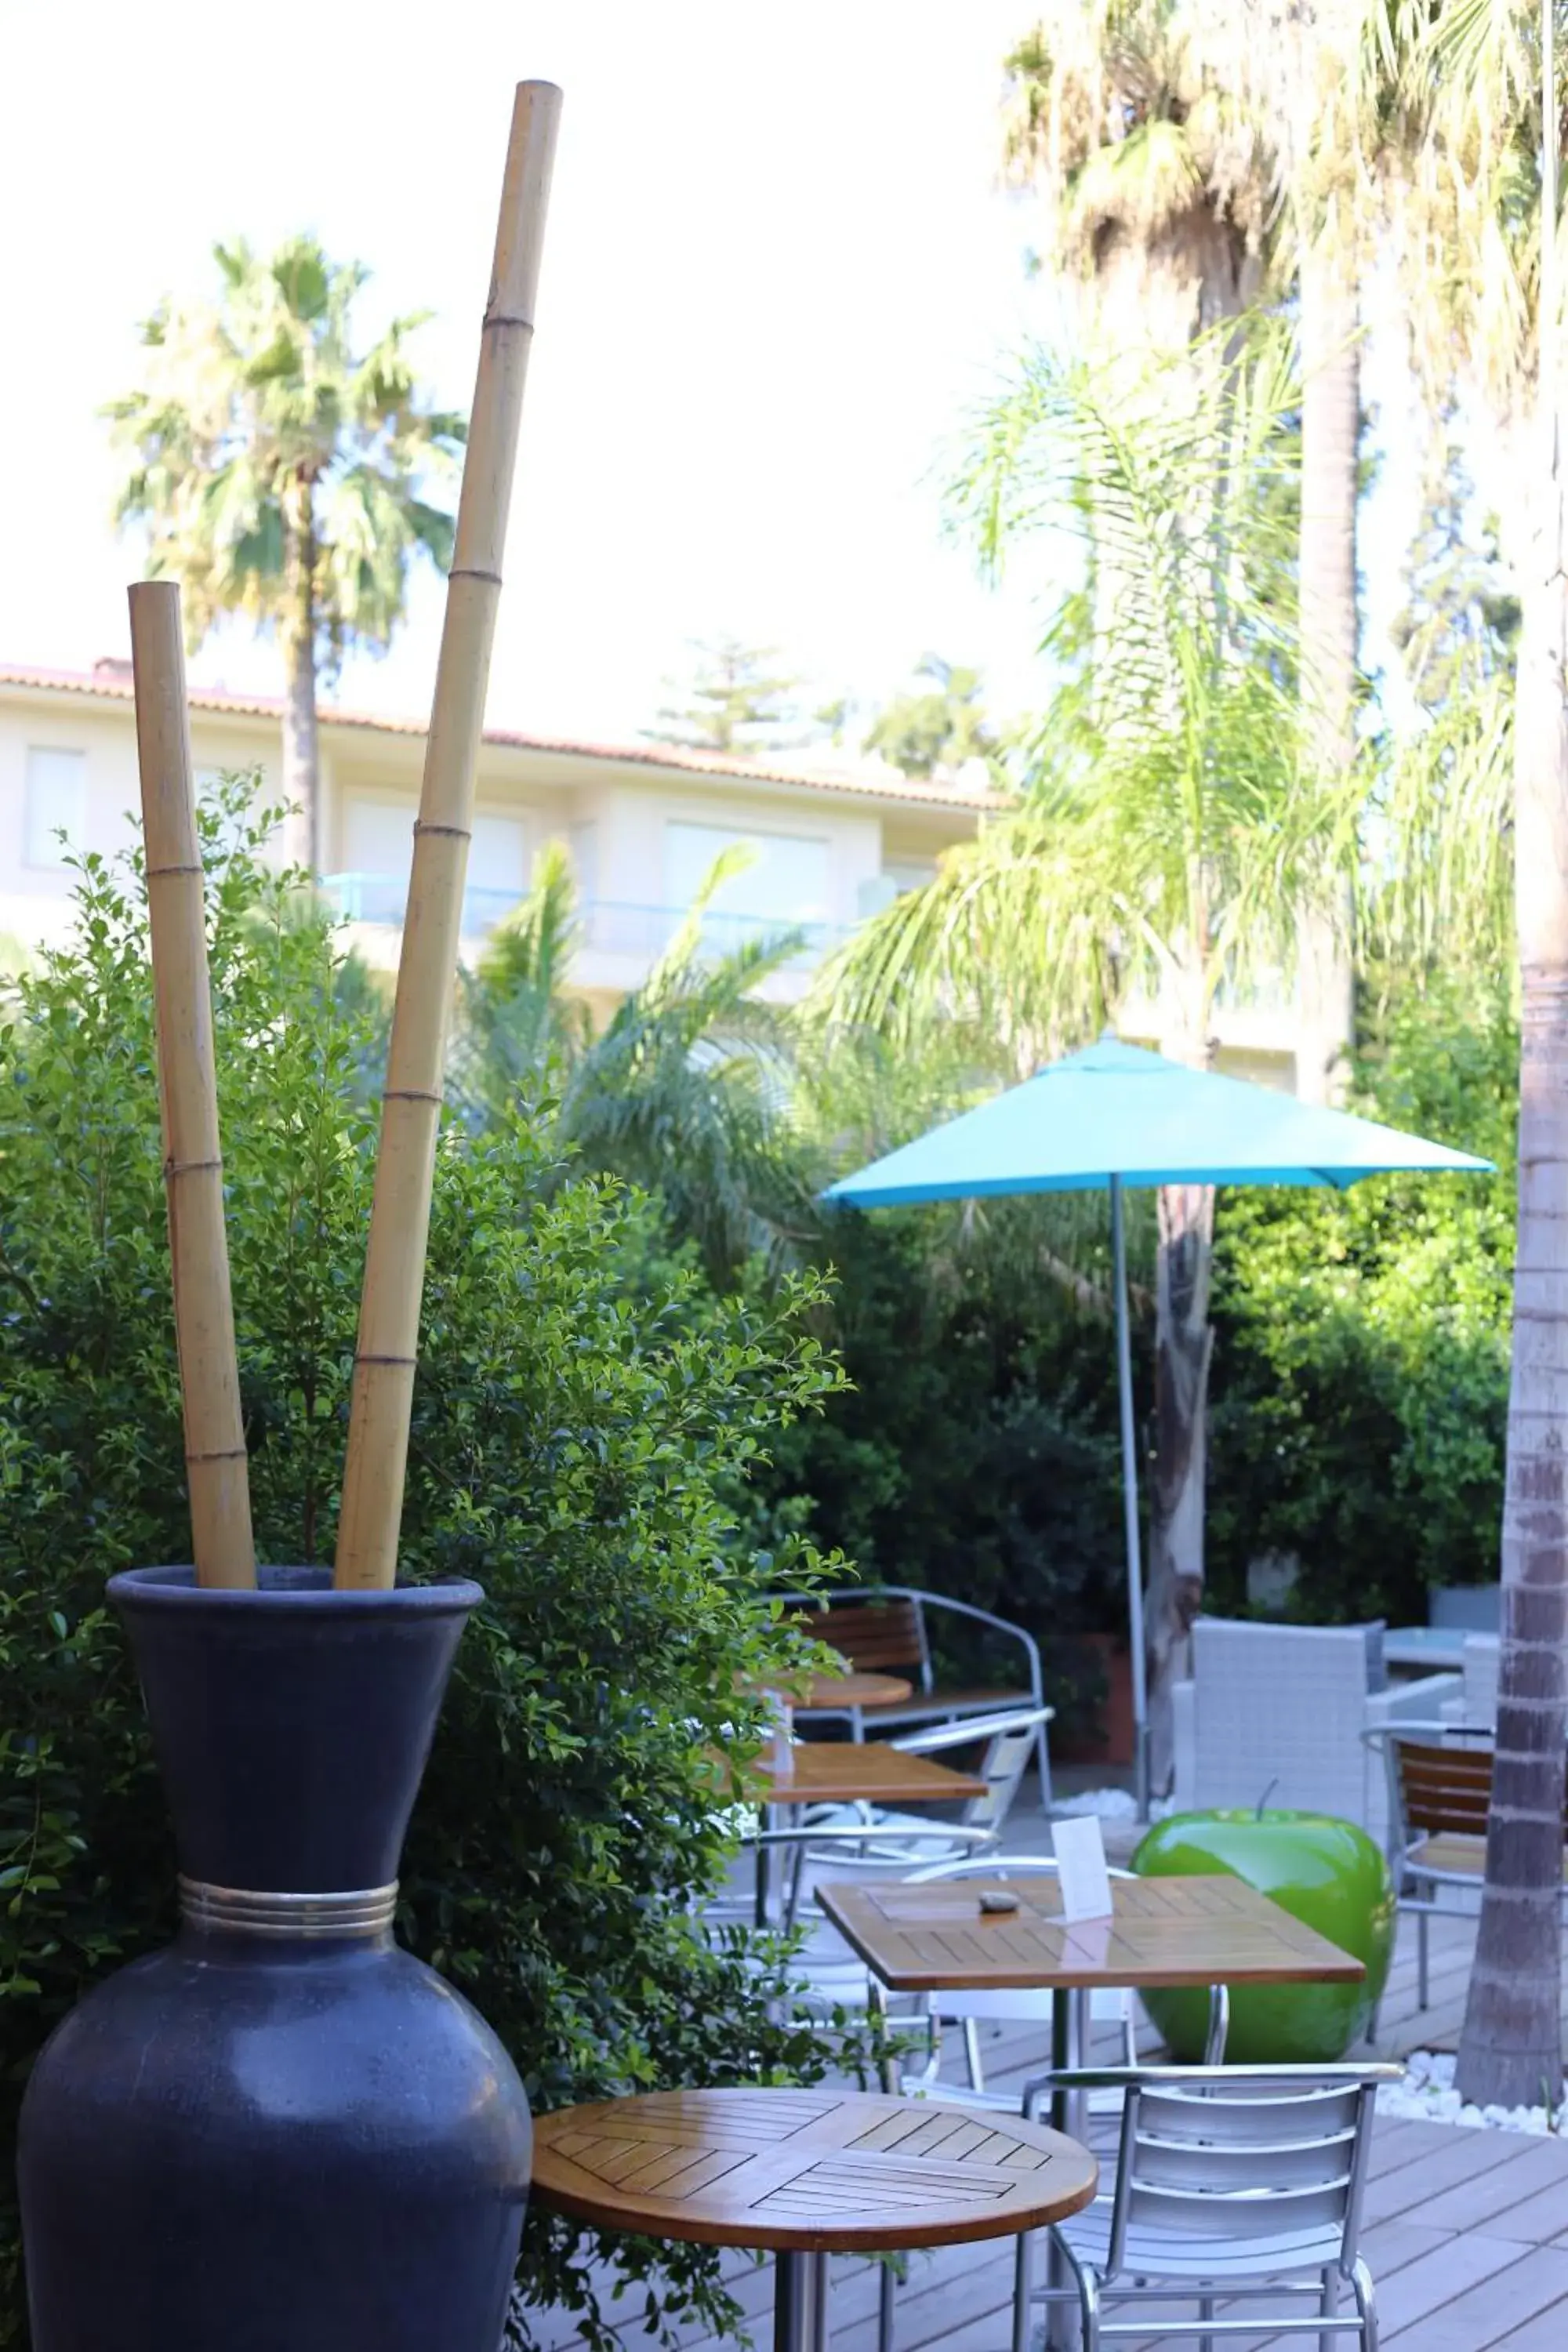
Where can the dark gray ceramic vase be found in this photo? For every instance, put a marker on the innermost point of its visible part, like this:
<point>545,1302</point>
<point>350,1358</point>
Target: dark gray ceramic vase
<point>284,2134</point>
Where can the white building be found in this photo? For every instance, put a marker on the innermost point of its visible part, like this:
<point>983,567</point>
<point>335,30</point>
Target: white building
<point>643,824</point>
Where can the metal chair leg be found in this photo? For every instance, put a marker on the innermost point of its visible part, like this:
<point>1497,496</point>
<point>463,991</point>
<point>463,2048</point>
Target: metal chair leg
<point>1366,2303</point>
<point>1422,1923</point>
<point>972,2053</point>
<point>1219,2025</point>
<point>1205,2311</point>
<point>887,2290</point>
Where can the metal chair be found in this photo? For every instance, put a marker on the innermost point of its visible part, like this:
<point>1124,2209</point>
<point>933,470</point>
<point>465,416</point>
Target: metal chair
<point>830,1972</point>
<point>1241,2183</point>
<point>1008,1740</point>
<point>1439,1793</point>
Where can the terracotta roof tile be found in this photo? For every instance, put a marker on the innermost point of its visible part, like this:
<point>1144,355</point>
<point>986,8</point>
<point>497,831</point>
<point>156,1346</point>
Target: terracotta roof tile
<point>114,686</point>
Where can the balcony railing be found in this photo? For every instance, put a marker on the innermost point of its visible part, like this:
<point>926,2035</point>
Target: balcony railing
<point>612,925</point>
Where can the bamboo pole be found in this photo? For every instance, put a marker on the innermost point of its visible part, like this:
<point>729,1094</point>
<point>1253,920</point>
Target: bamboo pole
<point>411,1106</point>
<point>188,1086</point>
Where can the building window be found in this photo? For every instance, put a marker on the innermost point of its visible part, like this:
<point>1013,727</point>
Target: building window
<point>55,803</point>
<point>498,857</point>
<point>786,881</point>
<point>585,860</point>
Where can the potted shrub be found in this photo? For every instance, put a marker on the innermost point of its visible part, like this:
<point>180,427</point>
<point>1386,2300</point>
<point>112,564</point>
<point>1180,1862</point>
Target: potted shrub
<point>284,2129</point>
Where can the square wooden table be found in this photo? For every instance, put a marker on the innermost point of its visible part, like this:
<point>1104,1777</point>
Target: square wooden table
<point>1162,1931</point>
<point>852,1771</point>
<point>1210,1931</point>
<point>845,1772</point>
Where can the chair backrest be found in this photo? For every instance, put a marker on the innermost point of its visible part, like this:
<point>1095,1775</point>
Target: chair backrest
<point>1238,2160</point>
<point>1465,1608</point>
<point>1442,1791</point>
<point>1482,1655</point>
<point>876,1634</point>
<point>1282,1708</point>
<point>1008,1743</point>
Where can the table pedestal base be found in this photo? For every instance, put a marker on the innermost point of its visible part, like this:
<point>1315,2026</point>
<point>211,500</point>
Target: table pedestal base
<point>800,2303</point>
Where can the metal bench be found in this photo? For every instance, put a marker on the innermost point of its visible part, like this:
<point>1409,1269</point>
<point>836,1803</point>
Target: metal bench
<point>883,1629</point>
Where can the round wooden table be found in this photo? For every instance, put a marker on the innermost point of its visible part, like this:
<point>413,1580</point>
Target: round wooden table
<point>842,1692</point>
<point>805,2174</point>
<point>847,1693</point>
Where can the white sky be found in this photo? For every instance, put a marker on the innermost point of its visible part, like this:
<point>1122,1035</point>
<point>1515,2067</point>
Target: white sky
<point>777,270</point>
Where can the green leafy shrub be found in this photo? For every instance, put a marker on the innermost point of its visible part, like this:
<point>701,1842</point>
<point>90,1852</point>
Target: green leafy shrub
<point>1360,1370</point>
<point>581,1444</point>
<point>974,1450</point>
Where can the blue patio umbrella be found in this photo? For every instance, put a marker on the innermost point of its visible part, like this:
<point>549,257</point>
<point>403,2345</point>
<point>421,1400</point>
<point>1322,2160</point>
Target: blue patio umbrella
<point>1113,1116</point>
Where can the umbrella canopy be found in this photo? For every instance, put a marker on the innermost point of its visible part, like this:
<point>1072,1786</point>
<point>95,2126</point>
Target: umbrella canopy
<point>1113,1116</point>
<point>1114,1110</point>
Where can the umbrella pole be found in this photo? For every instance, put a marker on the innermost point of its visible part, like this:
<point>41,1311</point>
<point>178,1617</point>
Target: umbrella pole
<point>1130,1507</point>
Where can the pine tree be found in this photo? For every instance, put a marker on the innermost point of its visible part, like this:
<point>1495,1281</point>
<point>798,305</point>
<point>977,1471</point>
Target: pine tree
<point>737,704</point>
<point>1459,623</point>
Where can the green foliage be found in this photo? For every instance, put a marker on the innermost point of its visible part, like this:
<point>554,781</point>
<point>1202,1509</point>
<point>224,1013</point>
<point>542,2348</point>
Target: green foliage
<point>276,463</point>
<point>677,1092</point>
<point>737,704</point>
<point>1459,625</point>
<point>975,1451</point>
<point>944,727</point>
<point>1169,837</point>
<point>1436,871</point>
<point>585,1435</point>
<point>1360,1378</point>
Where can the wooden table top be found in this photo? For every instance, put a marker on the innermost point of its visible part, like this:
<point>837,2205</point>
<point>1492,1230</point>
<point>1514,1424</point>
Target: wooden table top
<point>805,2171</point>
<point>850,1771</point>
<point>1163,1931</point>
<point>851,1689</point>
<point>816,1693</point>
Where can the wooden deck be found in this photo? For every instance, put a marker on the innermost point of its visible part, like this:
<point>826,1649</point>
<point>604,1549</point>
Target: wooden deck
<point>1466,2231</point>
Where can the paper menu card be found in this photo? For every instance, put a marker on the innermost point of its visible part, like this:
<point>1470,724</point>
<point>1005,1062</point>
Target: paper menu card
<point>1079,1847</point>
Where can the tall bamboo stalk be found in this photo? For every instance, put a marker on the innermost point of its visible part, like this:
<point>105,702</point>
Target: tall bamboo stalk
<point>411,1106</point>
<point>188,1086</point>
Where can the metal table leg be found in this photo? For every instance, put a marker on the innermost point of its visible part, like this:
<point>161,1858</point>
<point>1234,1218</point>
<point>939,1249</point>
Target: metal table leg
<point>1069,2114</point>
<point>800,2303</point>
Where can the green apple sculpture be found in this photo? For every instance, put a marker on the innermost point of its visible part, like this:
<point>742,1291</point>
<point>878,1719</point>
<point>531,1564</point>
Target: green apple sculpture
<point>1329,1874</point>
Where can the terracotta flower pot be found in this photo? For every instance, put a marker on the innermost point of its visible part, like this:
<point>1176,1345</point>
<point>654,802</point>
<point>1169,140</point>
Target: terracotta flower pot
<point>284,2130</point>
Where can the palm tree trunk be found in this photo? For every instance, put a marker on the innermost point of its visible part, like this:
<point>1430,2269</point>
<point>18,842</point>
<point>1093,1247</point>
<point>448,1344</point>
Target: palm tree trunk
<point>302,764</point>
<point>1511,2048</point>
<point>1510,2051</point>
<point>1330,424</point>
<point>1183,1344</point>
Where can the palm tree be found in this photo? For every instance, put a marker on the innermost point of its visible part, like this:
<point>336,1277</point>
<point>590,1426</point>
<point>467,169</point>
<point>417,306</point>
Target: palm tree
<point>283,475</point>
<point>1194,162</point>
<point>1484,198</point>
<point>1169,836</point>
<point>683,1091</point>
<point>1157,185</point>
